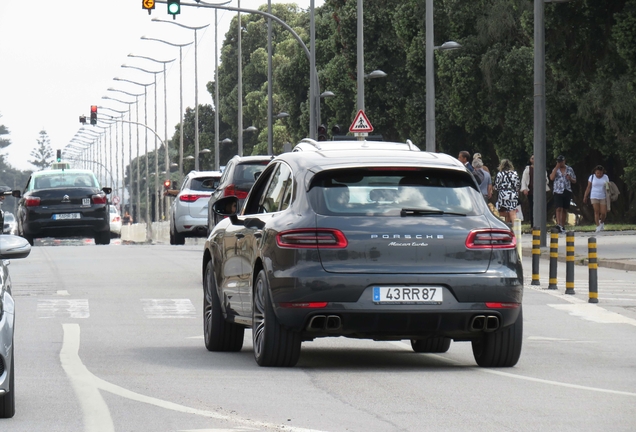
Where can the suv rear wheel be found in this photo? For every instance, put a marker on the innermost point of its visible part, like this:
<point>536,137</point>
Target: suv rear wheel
<point>274,345</point>
<point>102,238</point>
<point>431,345</point>
<point>501,348</point>
<point>219,335</point>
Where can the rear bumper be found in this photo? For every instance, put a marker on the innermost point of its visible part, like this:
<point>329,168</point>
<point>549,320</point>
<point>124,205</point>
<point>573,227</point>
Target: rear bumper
<point>67,228</point>
<point>189,226</point>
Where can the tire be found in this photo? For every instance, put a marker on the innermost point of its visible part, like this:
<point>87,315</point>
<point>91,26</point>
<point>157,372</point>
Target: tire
<point>102,238</point>
<point>218,334</point>
<point>7,402</point>
<point>501,348</point>
<point>273,344</point>
<point>179,239</point>
<point>431,345</point>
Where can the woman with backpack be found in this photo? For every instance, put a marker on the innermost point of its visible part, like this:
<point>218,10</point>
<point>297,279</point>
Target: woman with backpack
<point>597,192</point>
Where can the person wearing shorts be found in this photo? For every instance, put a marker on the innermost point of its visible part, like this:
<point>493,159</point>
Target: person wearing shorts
<point>563,177</point>
<point>596,191</point>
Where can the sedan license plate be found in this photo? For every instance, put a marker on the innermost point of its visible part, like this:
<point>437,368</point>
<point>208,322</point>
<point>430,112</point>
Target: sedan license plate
<point>408,295</point>
<point>61,216</point>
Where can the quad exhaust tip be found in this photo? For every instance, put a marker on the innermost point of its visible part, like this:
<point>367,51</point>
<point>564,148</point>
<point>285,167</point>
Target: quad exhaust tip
<point>324,322</point>
<point>486,323</point>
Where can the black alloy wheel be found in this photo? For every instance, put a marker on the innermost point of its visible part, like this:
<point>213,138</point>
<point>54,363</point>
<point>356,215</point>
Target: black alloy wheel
<point>500,348</point>
<point>218,334</point>
<point>273,344</point>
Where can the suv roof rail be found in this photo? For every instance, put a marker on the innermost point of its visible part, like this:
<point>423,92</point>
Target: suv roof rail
<point>308,144</point>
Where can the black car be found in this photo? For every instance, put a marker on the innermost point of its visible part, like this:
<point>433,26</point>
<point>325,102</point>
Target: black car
<point>237,180</point>
<point>365,243</point>
<point>64,203</point>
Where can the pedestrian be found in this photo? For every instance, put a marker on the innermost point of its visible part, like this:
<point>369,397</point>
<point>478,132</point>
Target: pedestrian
<point>527,186</point>
<point>507,185</point>
<point>477,156</point>
<point>464,158</point>
<point>127,219</point>
<point>597,186</point>
<point>486,184</point>
<point>563,177</point>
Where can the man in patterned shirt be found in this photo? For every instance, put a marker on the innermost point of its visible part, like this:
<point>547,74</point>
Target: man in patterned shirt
<point>563,177</point>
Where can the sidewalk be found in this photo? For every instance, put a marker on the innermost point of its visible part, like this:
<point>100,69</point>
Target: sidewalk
<point>615,249</point>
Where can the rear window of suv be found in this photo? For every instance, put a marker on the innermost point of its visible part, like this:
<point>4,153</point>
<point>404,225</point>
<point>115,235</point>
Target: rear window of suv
<point>204,184</point>
<point>244,172</point>
<point>395,192</point>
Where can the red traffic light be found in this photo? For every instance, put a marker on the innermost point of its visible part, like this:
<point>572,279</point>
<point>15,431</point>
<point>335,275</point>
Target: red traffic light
<point>93,114</point>
<point>166,184</point>
<point>94,108</point>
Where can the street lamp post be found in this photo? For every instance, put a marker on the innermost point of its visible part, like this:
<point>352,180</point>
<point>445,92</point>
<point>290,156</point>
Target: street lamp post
<point>165,124</point>
<point>156,186</point>
<point>196,85</point>
<point>145,86</point>
<point>180,97</point>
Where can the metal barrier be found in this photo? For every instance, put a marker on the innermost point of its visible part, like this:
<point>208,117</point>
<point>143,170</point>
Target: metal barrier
<point>554,257</point>
<point>592,264</point>
<point>536,254</point>
<point>569,262</point>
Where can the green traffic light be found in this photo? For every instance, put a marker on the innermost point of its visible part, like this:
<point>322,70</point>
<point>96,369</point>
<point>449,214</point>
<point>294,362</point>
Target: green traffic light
<point>174,7</point>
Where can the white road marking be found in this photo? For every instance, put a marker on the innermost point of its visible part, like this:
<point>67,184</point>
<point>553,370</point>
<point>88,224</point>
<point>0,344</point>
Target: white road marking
<point>72,308</point>
<point>522,377</point>
<point>96,414</point>
<point>169,308</point>
<point>195,337</point>
<point>62,293</point>
<point>594,313</point>
<point>240,429</point>
<point>550,339</point>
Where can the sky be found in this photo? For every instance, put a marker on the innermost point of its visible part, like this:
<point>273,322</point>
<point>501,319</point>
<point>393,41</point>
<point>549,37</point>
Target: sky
<point>59,58</point>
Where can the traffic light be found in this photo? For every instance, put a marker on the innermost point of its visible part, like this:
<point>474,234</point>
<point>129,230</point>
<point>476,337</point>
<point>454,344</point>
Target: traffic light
<point>59,156</point>
<point>93,114</point>
<point>174,8</point>
<point>83,119</point>
<point>322,133</point>
<point>167,184</point>
<point>335,130</point>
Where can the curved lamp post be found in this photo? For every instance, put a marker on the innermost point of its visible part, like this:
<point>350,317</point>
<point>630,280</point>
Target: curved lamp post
<point>180,46</point>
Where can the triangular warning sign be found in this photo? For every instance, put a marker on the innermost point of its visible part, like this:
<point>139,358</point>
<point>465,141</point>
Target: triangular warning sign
<point>361,124</point>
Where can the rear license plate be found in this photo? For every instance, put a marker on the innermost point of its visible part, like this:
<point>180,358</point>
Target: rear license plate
<point>408,295</point>
<point>61,216</point>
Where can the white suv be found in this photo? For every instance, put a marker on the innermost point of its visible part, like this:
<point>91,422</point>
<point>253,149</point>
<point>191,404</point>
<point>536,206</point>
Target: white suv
<point>189,210</point>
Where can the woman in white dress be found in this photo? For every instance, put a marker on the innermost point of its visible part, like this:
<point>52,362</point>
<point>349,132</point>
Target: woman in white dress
<point>596,192</point>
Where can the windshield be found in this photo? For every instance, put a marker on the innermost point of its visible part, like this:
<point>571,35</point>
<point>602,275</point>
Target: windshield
<point>395,192</point>
<point>63,180</point>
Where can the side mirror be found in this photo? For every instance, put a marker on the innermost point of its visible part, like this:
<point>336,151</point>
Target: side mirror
<point>16,194</point>
<point>227,206</point>
<point>14,247</point>
<point>107,190</point>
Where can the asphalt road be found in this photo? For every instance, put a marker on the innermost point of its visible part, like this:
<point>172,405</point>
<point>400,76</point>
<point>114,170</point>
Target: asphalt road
<point>109,338</point>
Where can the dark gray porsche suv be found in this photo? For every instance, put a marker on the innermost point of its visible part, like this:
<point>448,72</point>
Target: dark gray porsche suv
<point>363,242</point>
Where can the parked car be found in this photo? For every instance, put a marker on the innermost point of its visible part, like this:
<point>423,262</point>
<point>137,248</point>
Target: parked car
<point>237,180</point>
<point>382,244</point>
<point>189,209</point>
<point>64,203</point>
<point>10,224</point>
<point>115,221</point>
<point>11,247</point>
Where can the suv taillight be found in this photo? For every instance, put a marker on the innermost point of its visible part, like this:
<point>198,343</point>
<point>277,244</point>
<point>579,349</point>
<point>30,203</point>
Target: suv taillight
<point>32,201</point>
<point>191,198</point>
<point>99,199</point>
<point>231,190</point>
<point>491,239</point>
<point>312,238</point>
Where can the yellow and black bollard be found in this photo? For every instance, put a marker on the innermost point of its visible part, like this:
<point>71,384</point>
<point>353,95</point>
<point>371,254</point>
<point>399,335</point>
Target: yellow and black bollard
<point>554,257</point>
<point>569,262</point>
<point>536,254</point>
<point>592,265</point>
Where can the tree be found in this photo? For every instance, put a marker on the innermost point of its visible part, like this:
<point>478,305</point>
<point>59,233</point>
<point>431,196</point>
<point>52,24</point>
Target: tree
<point>43,153</point>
